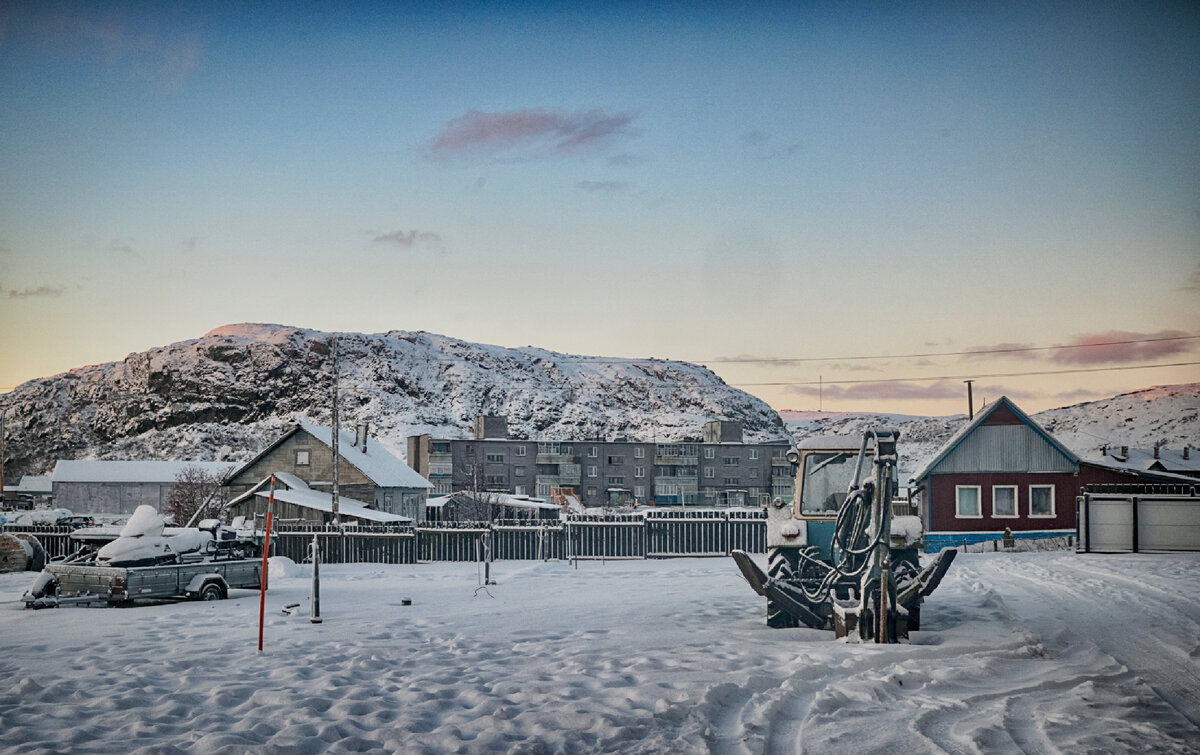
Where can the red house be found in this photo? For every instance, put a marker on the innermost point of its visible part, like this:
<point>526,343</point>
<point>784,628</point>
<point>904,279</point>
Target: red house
<point>1001,471</point>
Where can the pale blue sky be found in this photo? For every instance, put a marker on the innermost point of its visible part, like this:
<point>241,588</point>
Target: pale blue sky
<point>693,182</point>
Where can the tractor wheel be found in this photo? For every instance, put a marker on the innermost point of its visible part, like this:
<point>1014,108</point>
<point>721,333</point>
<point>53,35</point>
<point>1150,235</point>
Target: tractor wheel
<point>781,564</point>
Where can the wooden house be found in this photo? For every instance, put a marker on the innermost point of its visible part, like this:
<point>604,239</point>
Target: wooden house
<point>1001,471</point>
<point>367,472</point>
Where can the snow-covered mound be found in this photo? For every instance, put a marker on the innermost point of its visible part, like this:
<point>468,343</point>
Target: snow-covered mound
<point>222,396</point>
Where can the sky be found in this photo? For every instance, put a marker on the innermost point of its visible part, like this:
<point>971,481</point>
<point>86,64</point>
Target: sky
<point>849,208</point>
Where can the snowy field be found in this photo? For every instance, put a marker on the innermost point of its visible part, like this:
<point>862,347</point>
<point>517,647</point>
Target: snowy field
<point>1033,652</point>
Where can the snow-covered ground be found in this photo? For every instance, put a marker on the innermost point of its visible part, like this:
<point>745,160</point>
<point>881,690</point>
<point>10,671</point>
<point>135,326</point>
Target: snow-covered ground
<point>1033,652</point>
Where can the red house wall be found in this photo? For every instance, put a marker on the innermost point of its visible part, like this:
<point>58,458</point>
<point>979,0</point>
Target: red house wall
<point>941,497</point>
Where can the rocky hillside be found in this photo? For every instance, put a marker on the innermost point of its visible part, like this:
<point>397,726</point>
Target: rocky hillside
<point>1164,414</point>
<point>220,397</point>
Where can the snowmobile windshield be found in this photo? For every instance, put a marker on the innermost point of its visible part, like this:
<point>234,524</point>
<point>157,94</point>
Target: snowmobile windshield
<point>826,479</point>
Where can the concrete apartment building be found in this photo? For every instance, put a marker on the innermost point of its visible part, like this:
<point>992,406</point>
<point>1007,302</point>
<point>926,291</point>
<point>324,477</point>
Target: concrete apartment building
<point>721,470</point>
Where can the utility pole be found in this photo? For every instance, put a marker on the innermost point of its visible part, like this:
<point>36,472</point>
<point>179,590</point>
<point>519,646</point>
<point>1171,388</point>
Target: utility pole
<point>334,436</point>
<point>970,400</point>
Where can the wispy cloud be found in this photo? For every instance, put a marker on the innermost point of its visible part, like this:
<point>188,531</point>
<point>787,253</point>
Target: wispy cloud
<point>29,293</point>
<point>119,41</point>
<point>1193,283</point>
<point>626,158</point>
<point>603,187</point>
<point>1102,348</point>
<point>411,240</point>
<point>766,147</point>
<point>885,390</point>
<point>529,134</point>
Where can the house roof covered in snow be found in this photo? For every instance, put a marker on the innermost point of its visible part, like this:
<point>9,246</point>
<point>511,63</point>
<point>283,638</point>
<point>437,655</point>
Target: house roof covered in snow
<point>1170,463</point>
<point>499,499</point>
<point>35,484</point>
<point>984,414</point>
<point>134,471</point>
<point>376,462</point>
<point>317,500</point>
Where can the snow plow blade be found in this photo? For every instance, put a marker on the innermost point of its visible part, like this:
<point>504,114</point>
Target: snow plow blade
<point>750,571</point>
<point>928,580</point>
<point>783,595</point>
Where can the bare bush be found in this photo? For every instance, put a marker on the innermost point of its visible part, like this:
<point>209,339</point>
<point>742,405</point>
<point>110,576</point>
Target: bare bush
<point>196,490</point>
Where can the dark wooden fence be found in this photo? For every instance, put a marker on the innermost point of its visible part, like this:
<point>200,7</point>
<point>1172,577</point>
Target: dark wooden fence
<point>661,533</point>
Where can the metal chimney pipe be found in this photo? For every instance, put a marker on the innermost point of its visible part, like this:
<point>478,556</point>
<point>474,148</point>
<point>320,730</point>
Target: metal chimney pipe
<point>970,400</point>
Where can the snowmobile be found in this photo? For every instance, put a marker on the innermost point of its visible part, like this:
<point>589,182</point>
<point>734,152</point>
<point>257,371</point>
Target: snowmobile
<point>837,558</point>
<point>143,542</point>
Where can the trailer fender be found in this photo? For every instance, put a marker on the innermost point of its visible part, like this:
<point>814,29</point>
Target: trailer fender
<point>202,587</point>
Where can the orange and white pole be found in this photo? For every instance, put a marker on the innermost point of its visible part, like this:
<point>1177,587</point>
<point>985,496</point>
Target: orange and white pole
<point>262,580</point>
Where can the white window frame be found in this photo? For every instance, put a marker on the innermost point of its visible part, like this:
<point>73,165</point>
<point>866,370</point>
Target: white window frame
<point>958,502</point>
<point>591,471</point>
<point>307,457</point>
<point>518,471</point>
<point>593,452</point>
<point>1016,491</point>
<point>639,491</point>
<point>639,472</point>
<point>710,453</point>
<point>1053,506</point>
<point>753,454</point>
<point>710,473</point>
<point>520,450</point>
<point>639,453</point>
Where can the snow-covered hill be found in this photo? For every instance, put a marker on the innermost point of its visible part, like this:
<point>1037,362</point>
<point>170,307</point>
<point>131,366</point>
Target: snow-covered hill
<point>1164,414</point>
<point>220,397</point>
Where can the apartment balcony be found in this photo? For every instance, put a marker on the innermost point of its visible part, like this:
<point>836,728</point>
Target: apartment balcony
<point>679,461</point>
<point>556,459</point>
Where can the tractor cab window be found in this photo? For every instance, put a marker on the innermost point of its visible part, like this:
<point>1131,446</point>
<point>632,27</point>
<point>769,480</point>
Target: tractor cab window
<point>826,479</point>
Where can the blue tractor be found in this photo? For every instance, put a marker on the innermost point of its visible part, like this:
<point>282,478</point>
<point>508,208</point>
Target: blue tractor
<point>837,558</point>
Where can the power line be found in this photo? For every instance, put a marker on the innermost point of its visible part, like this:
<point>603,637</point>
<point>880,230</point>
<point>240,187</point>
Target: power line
<point>970,376</point>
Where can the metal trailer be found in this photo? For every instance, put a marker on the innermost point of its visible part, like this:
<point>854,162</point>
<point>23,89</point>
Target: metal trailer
<point>66,583</point>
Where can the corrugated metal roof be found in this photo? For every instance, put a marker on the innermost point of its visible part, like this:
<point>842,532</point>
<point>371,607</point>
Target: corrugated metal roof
<point>1012,450</point>
<point>134,471</point>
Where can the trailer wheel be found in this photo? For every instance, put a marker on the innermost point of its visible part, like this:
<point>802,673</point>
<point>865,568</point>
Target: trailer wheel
<point>781,564</point>
<point>212,591</point>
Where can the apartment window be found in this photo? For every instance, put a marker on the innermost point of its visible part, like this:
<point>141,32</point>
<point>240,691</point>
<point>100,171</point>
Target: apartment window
<point>619,480</point>
<point>470,449</point>
<point>1041,501</point>
<point>754,473</point>
<point>591,471</point>
<point>639,471</point>
<point>730,481</point>
<point>966,500</point>
<point>710,472</point>
<point>302,457</point>
<point>710,453</point>
<point>639,453</point>
<point>495,479</point>
<point>591,492</point>
<point>616,460</point>
<point>732,461</point>
<point>1004,501</point>
<point>518,471</point>
<point>439,448</point>
<point>520,450</point>
<point>639,491</point>
<point>753,454</point>
<point>519,490</point>
<point>593,452</point>
<point>496,458</point>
